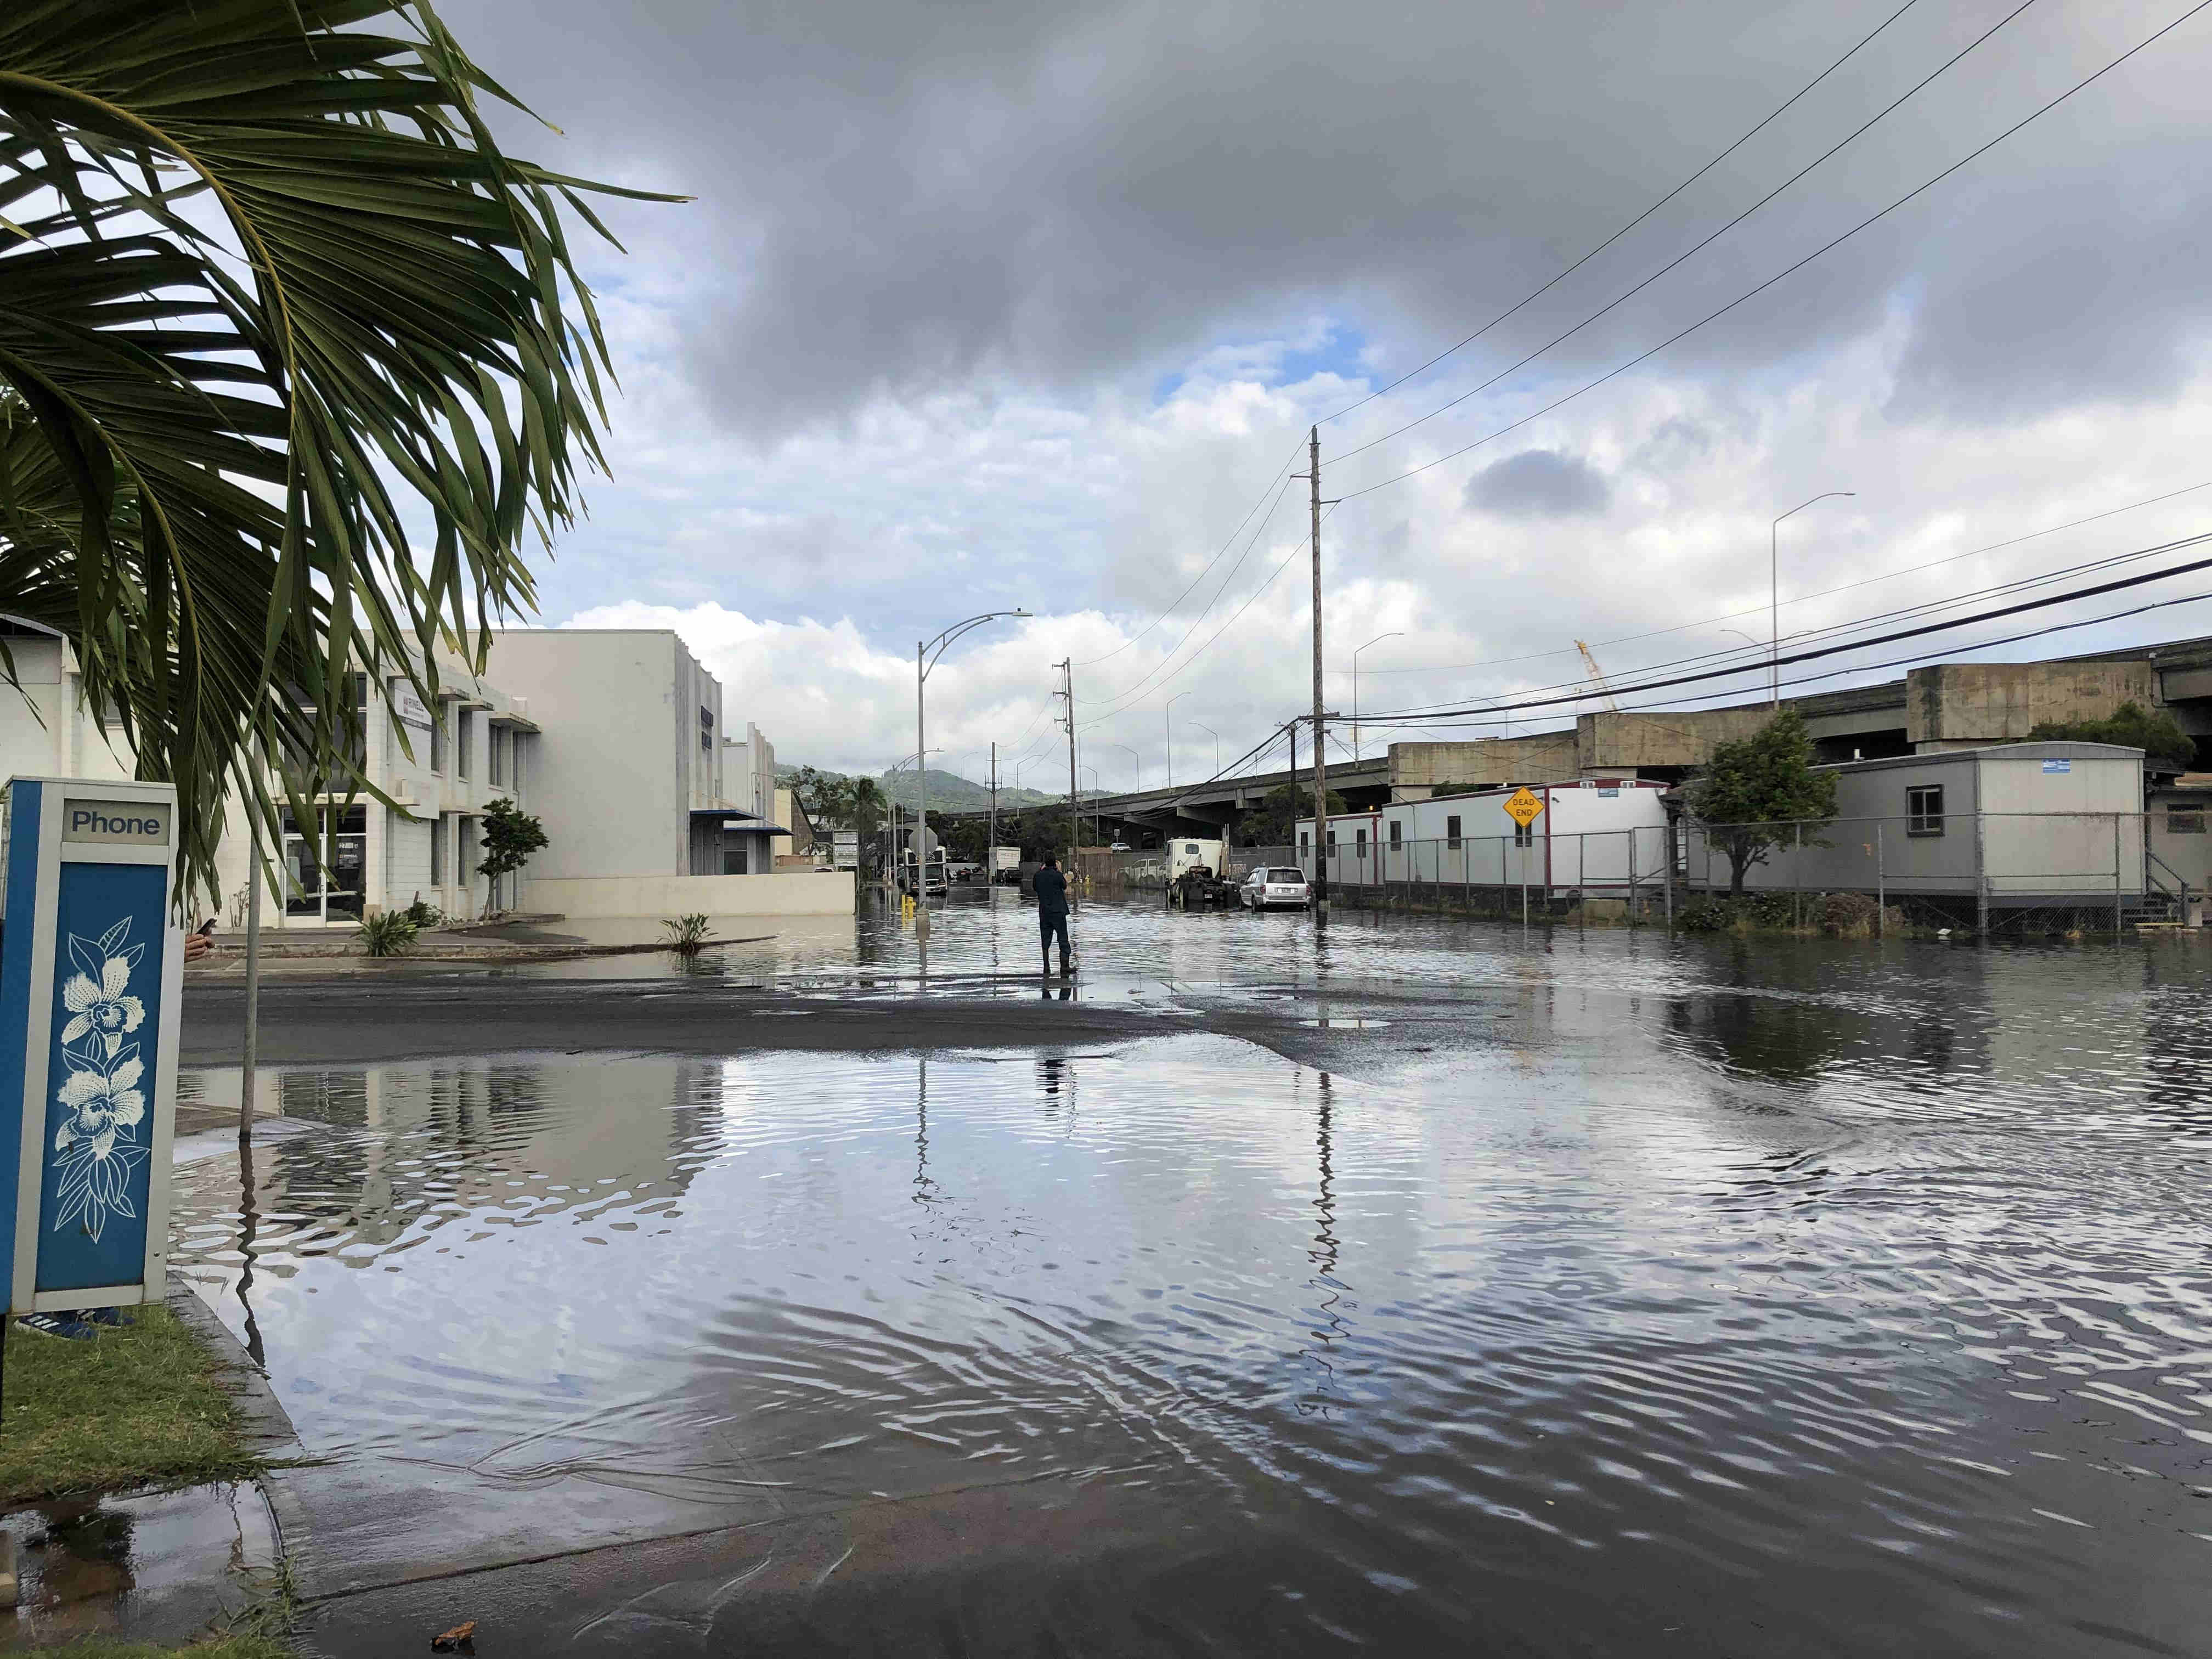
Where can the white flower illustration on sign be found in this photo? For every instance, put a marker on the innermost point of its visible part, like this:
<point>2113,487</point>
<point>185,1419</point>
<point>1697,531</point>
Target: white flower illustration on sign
<point>95,995</point>
<point>96,1147</point>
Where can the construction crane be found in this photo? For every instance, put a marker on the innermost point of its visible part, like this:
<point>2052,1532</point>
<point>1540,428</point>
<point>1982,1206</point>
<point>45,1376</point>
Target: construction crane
<point>1597,678</point>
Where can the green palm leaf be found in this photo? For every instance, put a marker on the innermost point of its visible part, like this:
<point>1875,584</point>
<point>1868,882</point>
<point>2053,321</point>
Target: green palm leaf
<point>271,295</point>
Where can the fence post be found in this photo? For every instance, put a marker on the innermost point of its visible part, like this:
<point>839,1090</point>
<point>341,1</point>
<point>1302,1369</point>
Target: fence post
<point>1981,871</point>
<point>1797,879</point>
<point>2118,922</point>
<point>1632,895</point>
<point>1667,851</point>
<point>1881,887</point>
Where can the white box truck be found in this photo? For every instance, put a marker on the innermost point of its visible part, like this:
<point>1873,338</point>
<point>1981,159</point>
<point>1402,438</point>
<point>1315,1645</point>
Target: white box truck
<point>1186,853</point>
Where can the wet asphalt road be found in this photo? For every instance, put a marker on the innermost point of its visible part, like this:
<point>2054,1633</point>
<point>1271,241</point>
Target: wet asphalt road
<point>1423,1286</point>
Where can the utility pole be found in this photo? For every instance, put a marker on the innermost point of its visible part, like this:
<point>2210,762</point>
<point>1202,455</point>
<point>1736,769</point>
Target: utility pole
<point>1321,748</point>
<point>921,812</point>
<point>1074,798</point>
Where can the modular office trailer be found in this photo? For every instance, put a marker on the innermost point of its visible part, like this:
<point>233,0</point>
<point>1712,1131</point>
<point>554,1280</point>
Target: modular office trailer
<point>2013,824</point>
<point>1602,836</point>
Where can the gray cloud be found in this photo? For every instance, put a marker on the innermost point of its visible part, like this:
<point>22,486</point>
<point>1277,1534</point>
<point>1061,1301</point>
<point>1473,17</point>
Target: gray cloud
<point>894,198</point>
<point>1539,483</point>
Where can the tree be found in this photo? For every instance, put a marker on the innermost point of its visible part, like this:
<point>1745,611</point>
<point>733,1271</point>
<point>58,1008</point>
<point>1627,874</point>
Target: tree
<point>961,838</point>
<point>1275,822</point>
<point>1759,791</point>
<point>510,836</point>
<point>2131,725</point>
<point>296,356</point>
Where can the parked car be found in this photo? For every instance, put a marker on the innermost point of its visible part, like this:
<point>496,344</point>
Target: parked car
<point>1269,886</point>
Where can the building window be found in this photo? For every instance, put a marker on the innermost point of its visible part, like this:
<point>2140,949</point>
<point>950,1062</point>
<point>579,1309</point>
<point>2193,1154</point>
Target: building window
<point>437,852</point>
<point>734,862</point>
<point>1332,843</point>
<point>438,738</point>
<point>465,734</point>
<point>2185,820</point>
<point>1524,835</point>
<point>1396,839</point>
<point>500,739</point>
<point>1924,806</point>
<point>1305,843</point>
<point>1359,843</point>
<point>1451,832</point>
<point>706,738</point>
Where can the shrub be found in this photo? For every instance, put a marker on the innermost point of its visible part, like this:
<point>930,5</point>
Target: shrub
<point>687,935</point>
<point>389,934</point>
<point>1847,915</point>
<point>423,913</point>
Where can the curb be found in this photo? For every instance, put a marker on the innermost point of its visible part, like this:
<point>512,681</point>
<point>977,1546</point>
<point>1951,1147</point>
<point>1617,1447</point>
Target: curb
<point>268,1427</point>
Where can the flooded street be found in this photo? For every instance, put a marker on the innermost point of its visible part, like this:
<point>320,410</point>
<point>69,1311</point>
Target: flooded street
<point>1427,1287</point>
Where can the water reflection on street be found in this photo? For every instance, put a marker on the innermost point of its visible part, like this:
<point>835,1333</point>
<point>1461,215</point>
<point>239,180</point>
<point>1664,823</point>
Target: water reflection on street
<point>1701,1298</point>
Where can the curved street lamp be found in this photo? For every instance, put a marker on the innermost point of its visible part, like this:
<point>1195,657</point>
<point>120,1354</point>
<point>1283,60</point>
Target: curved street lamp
<point>1131,754</point>
<point>1378,640</point>
<point>1216,736</point>
<point>1169,713</point>
<point>1774,594</point>
<point>927,654</point>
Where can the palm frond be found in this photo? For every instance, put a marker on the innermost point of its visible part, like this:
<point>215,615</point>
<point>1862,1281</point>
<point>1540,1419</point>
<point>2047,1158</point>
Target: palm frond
<point>270,293</point>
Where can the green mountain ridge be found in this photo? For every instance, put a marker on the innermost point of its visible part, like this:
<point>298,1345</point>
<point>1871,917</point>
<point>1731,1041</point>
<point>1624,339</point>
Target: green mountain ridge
<point>948,791</point>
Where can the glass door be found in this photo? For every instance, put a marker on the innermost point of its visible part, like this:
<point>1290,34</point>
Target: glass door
<point>312,894</point>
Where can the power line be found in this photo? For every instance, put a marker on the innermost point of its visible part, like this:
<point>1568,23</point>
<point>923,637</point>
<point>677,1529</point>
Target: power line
<point>1254,594</point>
<point>1802,598</point>
<point>1629,294</point>
<point>1441,717</point>
<point>1539,294</point>
<point>1254,542</point>
<point>1826,247</point>
<point>1896,662</point>
<point>2018,583</point>
<point>1279,479</point>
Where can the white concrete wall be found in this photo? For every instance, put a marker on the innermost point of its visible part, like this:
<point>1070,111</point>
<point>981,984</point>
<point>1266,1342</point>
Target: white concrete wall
<point>407,864</point>
<point>804,893</point>
<point>619,763</point>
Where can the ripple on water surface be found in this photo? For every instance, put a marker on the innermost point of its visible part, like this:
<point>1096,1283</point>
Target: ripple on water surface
<point>1613,1336</point>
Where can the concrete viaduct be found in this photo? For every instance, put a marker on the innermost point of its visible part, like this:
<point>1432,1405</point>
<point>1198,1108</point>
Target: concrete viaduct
<point>1942,705</point>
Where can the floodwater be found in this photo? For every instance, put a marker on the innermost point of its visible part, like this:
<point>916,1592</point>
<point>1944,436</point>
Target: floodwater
<point>1592,1294</point>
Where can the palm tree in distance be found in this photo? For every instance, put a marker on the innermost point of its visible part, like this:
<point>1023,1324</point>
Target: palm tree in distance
<point>295,358</point>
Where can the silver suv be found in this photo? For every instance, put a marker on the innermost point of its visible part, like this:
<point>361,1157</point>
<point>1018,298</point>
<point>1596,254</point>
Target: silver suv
<point>1266,888</point>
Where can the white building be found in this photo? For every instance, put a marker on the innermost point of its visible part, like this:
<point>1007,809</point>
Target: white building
<point>1599,835</point>
<point>761,827</point>
<point>46,731</point>
<point>612,739</point>
<point>441,773</point>
<point>630,765</point>
<point>2019,824</point>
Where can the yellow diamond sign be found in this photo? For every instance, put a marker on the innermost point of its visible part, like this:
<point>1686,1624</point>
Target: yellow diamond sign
<point>1522,807</point>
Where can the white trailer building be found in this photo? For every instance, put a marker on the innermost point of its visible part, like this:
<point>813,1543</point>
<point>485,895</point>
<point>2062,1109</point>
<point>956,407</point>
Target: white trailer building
<point>1602,836</point>
<point>2016,824</point>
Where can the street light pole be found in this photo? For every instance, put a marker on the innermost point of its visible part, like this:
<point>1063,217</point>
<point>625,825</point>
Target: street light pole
<point>1134,759</point>
<point>926,655</point>
<point>1216,736</point>
<point>1378,640</point>
<point>1774,594</point>
<point>1169,713</point>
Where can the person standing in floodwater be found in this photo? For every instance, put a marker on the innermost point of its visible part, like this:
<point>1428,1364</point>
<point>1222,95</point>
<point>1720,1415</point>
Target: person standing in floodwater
<point>1052,914</point>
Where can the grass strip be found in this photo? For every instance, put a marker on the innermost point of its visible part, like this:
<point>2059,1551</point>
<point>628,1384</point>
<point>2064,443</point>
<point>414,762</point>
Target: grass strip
<point>144,1404</point>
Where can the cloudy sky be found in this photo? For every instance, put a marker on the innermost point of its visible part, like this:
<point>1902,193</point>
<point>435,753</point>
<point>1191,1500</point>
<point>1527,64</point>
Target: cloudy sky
<point>980,306</point>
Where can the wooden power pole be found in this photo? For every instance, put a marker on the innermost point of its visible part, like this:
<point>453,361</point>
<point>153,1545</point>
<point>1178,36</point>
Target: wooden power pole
<point>1320,746</point>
